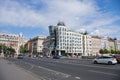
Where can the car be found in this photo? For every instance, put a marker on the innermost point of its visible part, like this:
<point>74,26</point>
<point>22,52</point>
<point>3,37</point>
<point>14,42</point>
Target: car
<point>48,56</point>
<point>20,56</point>
<point>56,57</point>
<point>105,59</point>
<point>40,56</point>
<point>117,58</point>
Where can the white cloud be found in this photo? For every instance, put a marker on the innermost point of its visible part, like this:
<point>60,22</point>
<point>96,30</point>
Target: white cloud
<point>104,21</point>
<point>112,31</point>
<point>17,14</point>
<point>96,32</point>
<point>77,14</point>
<point>101,32</point>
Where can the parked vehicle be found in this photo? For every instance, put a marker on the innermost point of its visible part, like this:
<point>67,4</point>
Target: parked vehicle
<point>117,58</point>
<point>40,56</point>
<point>20,56</point>
<point>56,57</point>
<point>105,59</point>
<point>29,55</point>
<point>48,56</point>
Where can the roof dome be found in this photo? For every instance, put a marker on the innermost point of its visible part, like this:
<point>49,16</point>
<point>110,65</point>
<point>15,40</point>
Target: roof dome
<point>60,24</point>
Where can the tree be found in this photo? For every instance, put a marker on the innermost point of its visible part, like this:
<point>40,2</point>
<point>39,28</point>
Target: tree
<point>3,48</point>
<point>112,51</point>
<point>104,51</point>
<point>22,49</point>
<point>117,52</point>
<point>11,51</point>
<point>101,51</point>
<point>7,50</point>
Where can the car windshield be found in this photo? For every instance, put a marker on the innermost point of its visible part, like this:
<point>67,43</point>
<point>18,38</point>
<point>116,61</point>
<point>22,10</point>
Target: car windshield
<point>20,55</point>
<point>108,57</point>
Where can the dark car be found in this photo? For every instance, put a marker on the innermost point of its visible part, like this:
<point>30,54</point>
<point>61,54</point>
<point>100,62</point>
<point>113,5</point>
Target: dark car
<point>56,57</point>
<point>20,56</point>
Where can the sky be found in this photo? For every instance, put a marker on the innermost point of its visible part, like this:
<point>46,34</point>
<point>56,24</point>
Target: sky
<point>32,17</point>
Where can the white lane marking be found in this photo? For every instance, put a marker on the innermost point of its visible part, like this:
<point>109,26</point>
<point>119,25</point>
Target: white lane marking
<point>56,72</point>
<point>111,74</point>
<point>31,67</point>
<point>77,77</point>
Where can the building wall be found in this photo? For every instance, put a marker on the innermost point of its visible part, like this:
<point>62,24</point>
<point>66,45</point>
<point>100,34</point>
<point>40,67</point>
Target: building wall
<point>35,45</point>
<point>61,38</point>
<point>111,44</point>
<point>40,44</point>
<point>27,46</point>
<point>96,45</point>
<point>118,45</point>
<point>46,46</point>
<point>66,41</point>
<point>104,43</point>
<point>72,42</point>
<point>12,40</point>
<point>87,45</point>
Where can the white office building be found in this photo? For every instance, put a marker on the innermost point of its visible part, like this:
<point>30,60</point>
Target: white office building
<point>68,42</point>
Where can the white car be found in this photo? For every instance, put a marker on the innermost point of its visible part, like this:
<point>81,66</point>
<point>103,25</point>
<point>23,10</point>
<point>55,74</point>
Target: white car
<point>105,59</point>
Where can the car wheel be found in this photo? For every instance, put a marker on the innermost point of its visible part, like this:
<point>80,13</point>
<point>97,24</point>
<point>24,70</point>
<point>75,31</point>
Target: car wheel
<point>109,62</point>
<point>95,62</point>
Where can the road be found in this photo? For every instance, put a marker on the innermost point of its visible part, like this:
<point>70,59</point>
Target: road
<point>69,69</point>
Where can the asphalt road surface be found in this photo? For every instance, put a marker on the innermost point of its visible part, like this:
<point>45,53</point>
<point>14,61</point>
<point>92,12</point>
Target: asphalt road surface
<point>68,69</point>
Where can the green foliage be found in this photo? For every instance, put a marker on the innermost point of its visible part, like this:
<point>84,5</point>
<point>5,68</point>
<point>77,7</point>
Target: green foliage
<point>101,51</point>
<point>2,48</point>
<point>104,51</point>
<point>112,51</point>
<point>22,49</point>
<point>117,52</point>
<point>7,50</point>
<point>11,51</point>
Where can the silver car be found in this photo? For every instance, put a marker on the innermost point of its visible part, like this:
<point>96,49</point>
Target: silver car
<point>105,59</point>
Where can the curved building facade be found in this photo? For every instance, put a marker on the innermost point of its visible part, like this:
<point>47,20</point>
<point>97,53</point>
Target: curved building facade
<point>66,42</point>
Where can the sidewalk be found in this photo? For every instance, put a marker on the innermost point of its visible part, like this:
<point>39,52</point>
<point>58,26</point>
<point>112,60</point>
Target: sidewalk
<point>9,71</point>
